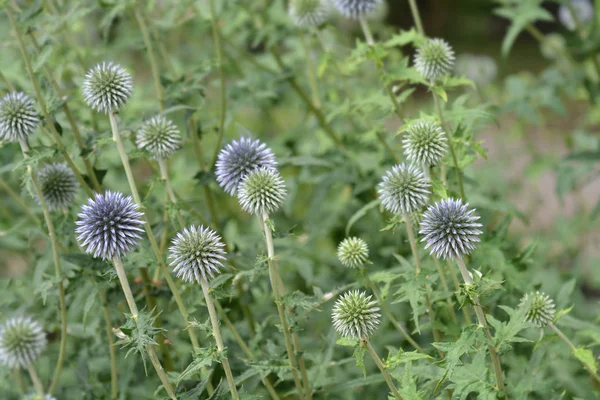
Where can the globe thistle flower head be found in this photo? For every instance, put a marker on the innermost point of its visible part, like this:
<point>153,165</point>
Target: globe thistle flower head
<point>434,59</point>
<point>353,252</point>
<point>450,229</point>
<point>196,254</point>
<point>404,189</point>
<point>584,12</point>
<point>159,136</point>
<point>425,143</point>
<point>109,225</point>
<point>305,13</point>
<point>22,340</point>
<point>262,191</point>
<point>58,185</point>
<point>355,315</point>
<point>18,118</point>
<point>239,158</point>
<point>553,46</point>
<point>356,9</point>
<point>541,308</point>
<point>107,87</point>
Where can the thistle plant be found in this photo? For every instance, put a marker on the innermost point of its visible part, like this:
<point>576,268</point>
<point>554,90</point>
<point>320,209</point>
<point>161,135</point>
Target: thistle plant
<point>107,87</point>
<point>358,10</point>
<point>196,255</point>
<point>22,340</point>
<point>425,144</point>
<point>262,192</point>
<point>308,13</point>
<point>240,157</point>
<point>434,59</point>
<point>356,316</point>
<point>18,118</point>
<point>58,185</point>
<point>353,252</point>
<point>109,227</point>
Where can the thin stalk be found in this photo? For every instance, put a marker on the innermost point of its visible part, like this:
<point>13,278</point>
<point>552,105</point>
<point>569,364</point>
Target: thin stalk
<point>120,269</point>
<point>450,144</point>
<point>42,104</point>
<point>151,57</point>
<point>414,9</point>
<point>57,270</point>
<point>560,334</point>
<point>161,48</point>
<point>19,378</point>
<point>446,288</point>
<point>310,72</point>
<point>467,278</point>
<point>114,379</point>
<point>164,175</point>
<point>19,201</point>
<point>364,25</point>
<point>37,383</point>
<point>466,314</point>
<point>219,49</point>
<point>384,372</point>
<point>426,171</point>
<point>273,276</point>
<point>214,320</point>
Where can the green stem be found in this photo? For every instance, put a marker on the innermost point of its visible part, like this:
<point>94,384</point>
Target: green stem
<point>384,372</point>
<point>273,276</point>
<point>37,383</point>
<point>151,56</point>
<point>446,288</point>
<point>415,13</point>
<point>456,287</point>
<point>310,71</point>
<point>450,144</point>
<point>114,379</point>
<point>364,25</point>
<point>164,175</point>
<point>481,321</point>
<point>19,378</point>
<point>560,334</point>
<point>219,49</point>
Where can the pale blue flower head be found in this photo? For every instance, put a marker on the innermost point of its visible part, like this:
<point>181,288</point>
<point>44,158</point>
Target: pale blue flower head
<point>356,9</point>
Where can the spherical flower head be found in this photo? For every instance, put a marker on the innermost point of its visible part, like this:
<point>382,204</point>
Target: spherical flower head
<point>262,191</point>
<point>353,252</point>
<point>22,340</point>
<point>159,137</point>
<point>450,229</point>
<point>18,118</point>
<point>239,158</point>
<point>355,315</point>
<point>196,254</point>
<point>541,308</point>
<point>425,143</point>
<point>58,185</point>
<point>553,46</point>
<point>109,225</point>
<point>480,69</point>
<point>356,9</point>
<point>306,13</point>
<point>107,87</point>
<point>434,59</point>
<point>584,12</point>
<point>404,189</point>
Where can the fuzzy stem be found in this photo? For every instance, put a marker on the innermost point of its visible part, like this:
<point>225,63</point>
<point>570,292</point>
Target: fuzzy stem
<point>384,372</point>
<point>310,71</point>
<point>114,379</point>
<point>273,276</point>
<point>466,314</point>
<point>57,270</point>
<point>37,383</point>
<point>466,275</point>
<point>438,108</point>
<point>152,58</point>
<point>560,334</point>
<point>19,378</point>
<point>20,202</point>
<point>42,104</point>
<point>164,175</point>
<point>364,25</point>
<point>414,9</point>
<point>214,320</point>
<point>223,101</point>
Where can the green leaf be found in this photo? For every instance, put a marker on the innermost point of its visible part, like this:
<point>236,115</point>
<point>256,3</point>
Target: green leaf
<point>439,91</point>
<point>455,350</point>
<point>361,213</point>
<point>524,14</point>
<point>586,357</point>
<point>359,356</point>
<point>204,357</point>
<point>403,357</point>
<point>403,38</point>
<point>348,342</point>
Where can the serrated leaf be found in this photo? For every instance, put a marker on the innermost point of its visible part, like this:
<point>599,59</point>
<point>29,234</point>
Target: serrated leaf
<point>586,357</point>
<point>359,356</point>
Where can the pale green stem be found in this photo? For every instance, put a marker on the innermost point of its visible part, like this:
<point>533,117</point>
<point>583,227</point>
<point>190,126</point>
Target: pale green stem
<point>414,9</point>
<point>164,174</point>
<point>19,378</point>
<point>456,287</point>
<point>560,334</point>
<point>310,71</point>
<point>426,171</point>
<point>37,383</point>
<point>412,241</point>
<point>384,371</point>
<point>114,379</point>
<point>273,276</point>
<point>467,278</point>
<point>445,287</point>
<point>214,320</point>
<point>151,57</point>
<point>364,25</point>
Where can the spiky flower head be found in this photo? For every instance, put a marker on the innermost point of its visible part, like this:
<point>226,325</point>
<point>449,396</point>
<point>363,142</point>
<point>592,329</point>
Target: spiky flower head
<point>262,191</point>
<point>404,189</point>
<point>584,12</point>
<point>239,158</point>
<point>541,308</point>
<point>425,143</point>
<point>196,253</point>
<point>355,315</point>
<point>353,252</point>
<point>22,340</point>
<point>450,229</point>
<point>18,118</point>
<point>109,225</point>
<point>553,46</point>
<point>159,137</point>
<point>309,12</point>
<point>434,59</point>
<point>107,87</point>
<point>356,9</point>
<point>58,185</point>
<point>481,69</point>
